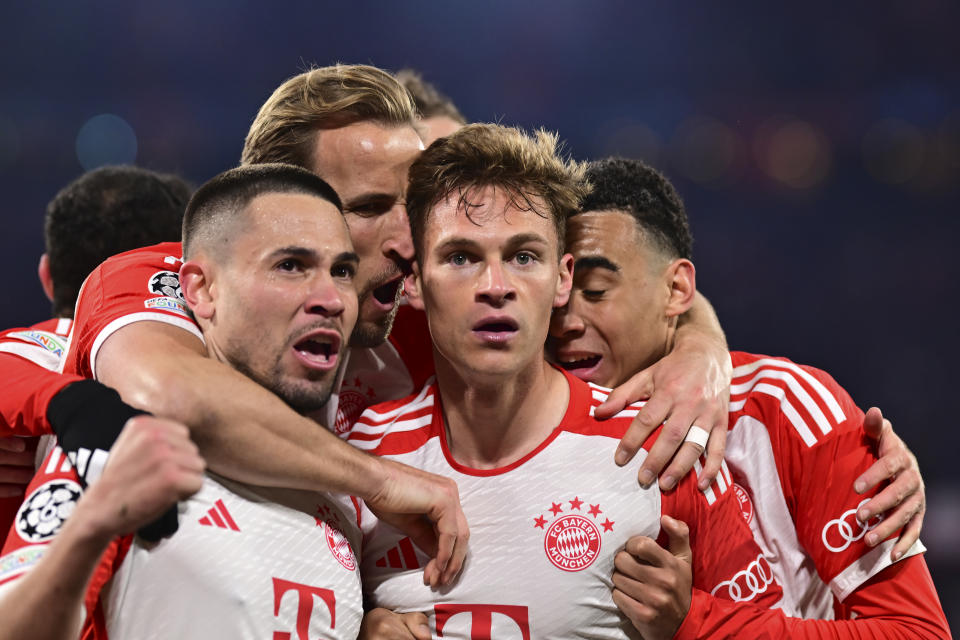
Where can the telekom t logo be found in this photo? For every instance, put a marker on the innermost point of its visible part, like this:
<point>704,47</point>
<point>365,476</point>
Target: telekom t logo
<point>482,618</point>
<point>305,595</point>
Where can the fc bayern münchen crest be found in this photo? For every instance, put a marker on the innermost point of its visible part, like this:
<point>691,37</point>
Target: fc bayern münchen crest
<point>572,541</point>
<point>339,546</point>
<point>166,283</point>
<point>46,509</point>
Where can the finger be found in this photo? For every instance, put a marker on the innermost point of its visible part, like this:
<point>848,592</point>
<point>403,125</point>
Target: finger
<point>678,538</point>
<point>904,486</point>
<point>18,459</point>
<point>635,389</point>
<point>13,444</point>
<point>668,441</point>
<point>886,467</point>
<point>16,475</point>
<point>894,520</point>
<point>909,535</point>
<point>638,613</point>
<point>716,446</point>
<point>417,625</point>
<point>873,423</point>
<point>12,490</point>
<point>646,550</point>
<point>681,464</point>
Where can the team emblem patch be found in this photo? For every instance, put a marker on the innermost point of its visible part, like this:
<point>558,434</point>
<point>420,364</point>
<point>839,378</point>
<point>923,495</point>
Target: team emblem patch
<point>166,283</point>
<point>354,398</point>
<point>337,542</point>
<point>572,540</point>
<point>46,509</point>
<point>743,499</point>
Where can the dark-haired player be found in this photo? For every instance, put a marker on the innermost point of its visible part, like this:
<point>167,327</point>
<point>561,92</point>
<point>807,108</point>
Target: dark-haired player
<point>795,447</point>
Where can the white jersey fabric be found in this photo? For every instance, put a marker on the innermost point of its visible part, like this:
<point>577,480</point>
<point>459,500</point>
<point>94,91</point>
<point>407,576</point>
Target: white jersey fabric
<point>544,530</point>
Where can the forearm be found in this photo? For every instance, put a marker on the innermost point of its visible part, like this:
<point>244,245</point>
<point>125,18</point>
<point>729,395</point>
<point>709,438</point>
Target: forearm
<point>47,602</point>
<point>900,604</point>
<point>28,390</point>
<point>700,322</point>
<point>243,431</point>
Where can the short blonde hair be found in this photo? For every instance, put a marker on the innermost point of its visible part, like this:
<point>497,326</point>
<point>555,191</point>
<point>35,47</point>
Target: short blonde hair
<point>481,155</point>
<point>323,98</point>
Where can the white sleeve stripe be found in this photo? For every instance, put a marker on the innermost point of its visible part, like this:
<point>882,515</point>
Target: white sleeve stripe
<point>721,482</point>
<point>822,391</point>
<point>131,318</point>
<point>798,391</point>
<point>789,411</point>
<point>35,354</point>
<point>708,492</point>
<point>626,413</point>
<point>867,566</point>
<point>54,460</point>
<point>399,425</point>
<point>599,395</point>
<point>421,401</point>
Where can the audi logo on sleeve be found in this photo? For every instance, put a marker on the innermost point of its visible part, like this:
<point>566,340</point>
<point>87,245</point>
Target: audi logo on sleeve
<point>747,583</point>
<point>840,533</point>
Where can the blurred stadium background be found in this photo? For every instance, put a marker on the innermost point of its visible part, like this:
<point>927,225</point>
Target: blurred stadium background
<point>817,146</point>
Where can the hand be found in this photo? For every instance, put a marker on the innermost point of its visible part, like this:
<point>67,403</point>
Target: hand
<point>383,624</point>
<point>653,586</point>
<point>427,508</point>
<point>153,465</point>
<point>689,386</point>
<point>903,502</point>
<point>16,465</point>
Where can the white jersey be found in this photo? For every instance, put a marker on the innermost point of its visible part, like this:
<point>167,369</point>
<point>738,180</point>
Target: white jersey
<point>795,446</point>
<point>544,530</point>
<point>245,563</point>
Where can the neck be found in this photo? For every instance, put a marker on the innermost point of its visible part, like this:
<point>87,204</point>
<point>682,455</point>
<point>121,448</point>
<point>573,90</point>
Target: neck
<point>493,421</point>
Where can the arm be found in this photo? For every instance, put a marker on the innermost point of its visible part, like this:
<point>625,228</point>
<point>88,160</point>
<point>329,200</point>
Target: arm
<point>153,465</point>
<point>247,433</point>
<point>652,588</point>
<point>689,386</point>
<point>903,501</point>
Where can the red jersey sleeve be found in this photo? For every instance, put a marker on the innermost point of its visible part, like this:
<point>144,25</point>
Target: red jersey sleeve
<point>135,286</point>
<point>27,391</point>
<point>900,603</point>
<point>50,499</point>
<point>726,560</point>
<point>816,431</point>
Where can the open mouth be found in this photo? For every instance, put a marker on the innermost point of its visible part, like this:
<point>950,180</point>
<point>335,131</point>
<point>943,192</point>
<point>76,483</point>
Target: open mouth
<point>318,350</point>
<point>386,294</point>
<point>580,364</point>
<point>495,330</point>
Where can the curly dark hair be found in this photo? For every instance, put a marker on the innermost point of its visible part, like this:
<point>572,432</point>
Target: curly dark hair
<point>105,212</point>
<point>634,187</point>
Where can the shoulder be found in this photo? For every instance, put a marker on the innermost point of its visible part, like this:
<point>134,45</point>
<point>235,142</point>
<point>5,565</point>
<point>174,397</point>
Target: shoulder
<point>585,397</point>
<point>805,398</point>
<point>397,426</point>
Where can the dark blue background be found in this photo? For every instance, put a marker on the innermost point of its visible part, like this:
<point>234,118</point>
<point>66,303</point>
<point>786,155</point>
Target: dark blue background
<point>817,147</point>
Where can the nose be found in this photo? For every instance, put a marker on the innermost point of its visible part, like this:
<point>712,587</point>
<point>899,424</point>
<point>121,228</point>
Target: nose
<point>565,323</point>
<point>396,242</point>
<point>493,286</point>
<point>325,298</point>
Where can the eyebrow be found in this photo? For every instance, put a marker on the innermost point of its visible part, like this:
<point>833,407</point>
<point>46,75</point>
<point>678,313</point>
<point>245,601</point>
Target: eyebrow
<point>461,242</point>
<point>595,262</point>
<point>312,254</point>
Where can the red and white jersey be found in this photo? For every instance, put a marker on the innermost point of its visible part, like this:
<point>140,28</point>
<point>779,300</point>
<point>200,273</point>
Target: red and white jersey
<point>245,563</point>
<point>794,448</point>
<point>544,530</point>
<point>43,344</point>
<point>144,285</point>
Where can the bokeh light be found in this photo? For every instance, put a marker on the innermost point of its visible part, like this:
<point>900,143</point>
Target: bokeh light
<point>706,150</point>
<point>106,139</point>
<point>794,153</point>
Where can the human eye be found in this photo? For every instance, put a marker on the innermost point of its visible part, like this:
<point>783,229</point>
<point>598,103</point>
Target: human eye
<point>458,258</point>
<point>370,208</point>
<point>289,265</point>
<point>524,258</point>
<point>593,294</point>
<point>344,271</point>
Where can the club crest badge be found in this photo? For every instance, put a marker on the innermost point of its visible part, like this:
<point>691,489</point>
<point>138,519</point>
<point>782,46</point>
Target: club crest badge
<point>743,500</point>
<point>337,542</point>
<point>572,534</point>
